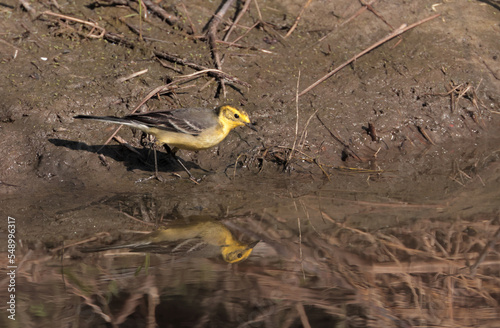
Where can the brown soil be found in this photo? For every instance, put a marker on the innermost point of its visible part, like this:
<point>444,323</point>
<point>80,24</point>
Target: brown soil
<point>408,133</point>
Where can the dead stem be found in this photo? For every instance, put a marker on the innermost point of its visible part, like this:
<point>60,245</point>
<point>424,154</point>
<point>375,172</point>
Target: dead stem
<point>309,159</point>
<point>88,240</point>
<point>131,76</point>
<point>237,19</point>
<point>94,26</point>
<point>369,6</point>
<point>491,243</point>
<point>357,170</point>
<point>160,12</point>
<point>212,39</point>
<point>346,146</point>
<point>302,314</point>
<point>138,220</point>
<point>425,135</point>
<point>236,164</point>
<point>166,65</point>
<point>26,5</point>
<point>302,139</point>
<point>88,300</point>
<point>296,118</point>
<point>402,29</point>
<point>300,237</point>
<point>353,16</point>
<point>244,34</point>
<point>193,29</point>
<point>297,19</point>
<point>214,73</point>
<point>391,205</point>
<point>233,44</point>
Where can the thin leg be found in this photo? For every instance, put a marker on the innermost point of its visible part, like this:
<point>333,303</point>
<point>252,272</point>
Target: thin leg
<point>172,153</point>
<point>157,175</point>
<point>156,161</point>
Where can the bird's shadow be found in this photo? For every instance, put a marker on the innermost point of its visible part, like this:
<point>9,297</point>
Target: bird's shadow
<point>140,159</point>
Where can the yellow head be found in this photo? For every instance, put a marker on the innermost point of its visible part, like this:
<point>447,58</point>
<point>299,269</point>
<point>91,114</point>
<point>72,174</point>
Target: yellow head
<point>237,252</point>
<point>231,117</point>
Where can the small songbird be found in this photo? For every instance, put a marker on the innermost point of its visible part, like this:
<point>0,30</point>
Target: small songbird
<point>201,239</point>
<point>185,128</point>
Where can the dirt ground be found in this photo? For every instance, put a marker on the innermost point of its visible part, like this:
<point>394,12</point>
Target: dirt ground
<point>405,134</point>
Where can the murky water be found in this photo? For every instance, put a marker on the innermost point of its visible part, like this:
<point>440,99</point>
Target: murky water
<point>361,249</point>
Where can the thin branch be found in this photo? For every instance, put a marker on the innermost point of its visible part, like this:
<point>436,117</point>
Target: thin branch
<point>299,16</point>
<point>170,19</point>
<point>131,76</point>
<point>214,73</point>
<point>485,251</point>
<point>403,28</point>
<point>94,26</point>
<point>337,138</point>
<point>26,5</point>
<point>356,14</point>
<point>238,18</point>
<point>212,38</point>
<point>296,119</point>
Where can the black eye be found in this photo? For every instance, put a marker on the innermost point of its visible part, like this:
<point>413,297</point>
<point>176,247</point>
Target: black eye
<point>240,255</point>
<point>236,116</point>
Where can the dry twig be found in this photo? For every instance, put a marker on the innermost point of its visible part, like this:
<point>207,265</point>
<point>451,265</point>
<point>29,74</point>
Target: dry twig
<point>214,73</point>
<point>212,39</point>
<point>170,19</point>
<point>297,19</point>
<point>93,25</point>
<point>402,29</point>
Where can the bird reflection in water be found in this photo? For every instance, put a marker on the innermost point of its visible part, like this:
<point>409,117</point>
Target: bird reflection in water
<point>200,239</point>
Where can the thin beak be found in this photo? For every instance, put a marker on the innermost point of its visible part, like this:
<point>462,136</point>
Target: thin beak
<point>250,125</point>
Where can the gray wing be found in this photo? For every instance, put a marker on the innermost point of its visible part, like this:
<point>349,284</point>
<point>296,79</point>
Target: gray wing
<point>185,120</point>
<point>194,247</point>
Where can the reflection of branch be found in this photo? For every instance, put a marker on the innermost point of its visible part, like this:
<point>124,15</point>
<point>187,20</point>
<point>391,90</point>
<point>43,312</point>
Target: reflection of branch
<point>403,28</point>
<point>90,302</point>
<point>302,314</point>
<point>485,251</point>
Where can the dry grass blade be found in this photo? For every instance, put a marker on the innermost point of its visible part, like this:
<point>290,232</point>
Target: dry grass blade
<point>26,5</point>
<point>131,76</point>
<point>94,26</point>
<point>356,14</point>
<point>337,138</point>
<point>170,19</point>
<point>237,19</point>
<point>215,73</point>
<point>97,236</point>
<point>212,39</point>
<point>193,29</point>
<point>296,118</point>
<point>487,248</point>
<point>297,19</point>
<point>402,29</point>
<point>303,316</point>
<point>233,44</point>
